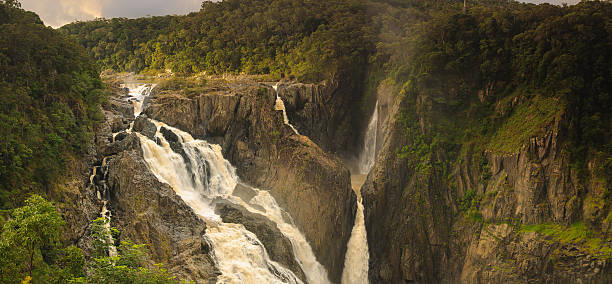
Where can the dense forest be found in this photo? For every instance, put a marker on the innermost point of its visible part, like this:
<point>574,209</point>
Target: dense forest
<point>310,40</point>
<point>50,97</point>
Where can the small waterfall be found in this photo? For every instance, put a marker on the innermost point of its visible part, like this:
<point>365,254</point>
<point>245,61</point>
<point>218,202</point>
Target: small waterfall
<point>279,104</point>
<point>200,175</point>
<point>137,93</point>
<point>102,193</point>
<point>357,254</point>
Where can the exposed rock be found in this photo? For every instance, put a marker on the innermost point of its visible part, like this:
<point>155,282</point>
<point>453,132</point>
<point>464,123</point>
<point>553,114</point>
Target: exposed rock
<point>418,232</point>
<point>145,127</point>
<point>277,245</point>
<point>148,211</point>
<point>323,113</point>
<point>313,186</point>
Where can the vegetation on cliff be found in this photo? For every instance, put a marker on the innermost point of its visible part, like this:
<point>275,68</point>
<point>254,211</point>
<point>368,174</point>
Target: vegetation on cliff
<point>30,251</point>
<point>50,92</point>
<point>486,82</point>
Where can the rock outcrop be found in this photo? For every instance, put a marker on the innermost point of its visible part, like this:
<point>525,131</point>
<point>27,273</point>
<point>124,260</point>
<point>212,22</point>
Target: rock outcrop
<point>148,211</point>
<point>313,186</point>
<point>144,210</point>
<point>324,113</point>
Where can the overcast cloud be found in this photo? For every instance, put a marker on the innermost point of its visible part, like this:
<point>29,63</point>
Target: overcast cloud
<point>57,13</point>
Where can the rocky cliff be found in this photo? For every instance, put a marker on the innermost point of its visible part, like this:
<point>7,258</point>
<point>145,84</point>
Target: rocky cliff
<point>144,210</point>
<point>325,113</point>
<point>489,217</point>
<point>148,211</point>
<point>313,186</point>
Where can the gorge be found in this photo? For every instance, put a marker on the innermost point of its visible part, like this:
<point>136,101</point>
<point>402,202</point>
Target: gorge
<point>274,141</point>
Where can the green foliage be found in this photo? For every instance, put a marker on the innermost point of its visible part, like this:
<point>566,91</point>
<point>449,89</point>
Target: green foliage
<point>50,93</point>
<point>310,40</point>
<point>576,234</point>
<point>528,120</point>
<point>30,249</point>
<point>29,245</point>
<point>188,86</point>
<point>102,237</point>
<point>126,267</point>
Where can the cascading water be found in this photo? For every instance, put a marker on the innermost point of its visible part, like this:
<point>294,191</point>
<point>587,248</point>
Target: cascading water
<point>279,104</point>
<point>357,255</point>
<point>368,154</point>
<point>102,193</point>
<point>137,93</point>
<point>200,175</point>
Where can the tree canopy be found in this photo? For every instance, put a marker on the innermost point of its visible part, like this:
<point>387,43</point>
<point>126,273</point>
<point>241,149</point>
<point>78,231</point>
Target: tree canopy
<point>50,93</point>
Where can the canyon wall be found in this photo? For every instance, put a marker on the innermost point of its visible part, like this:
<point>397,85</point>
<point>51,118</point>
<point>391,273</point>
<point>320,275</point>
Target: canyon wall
<point>312,185</point>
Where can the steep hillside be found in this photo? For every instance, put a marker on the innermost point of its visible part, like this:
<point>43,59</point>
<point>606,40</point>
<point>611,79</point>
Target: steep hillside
<point>50,94</point>
<point>496,162</point>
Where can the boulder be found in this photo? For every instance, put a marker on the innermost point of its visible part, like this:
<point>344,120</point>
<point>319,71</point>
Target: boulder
<point>145,127</point>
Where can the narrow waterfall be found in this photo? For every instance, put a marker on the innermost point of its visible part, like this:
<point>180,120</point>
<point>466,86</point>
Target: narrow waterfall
<point>279,104</point>
<point>368,154</point>
<point>357,254</point>
<point>137,93</point>
<point>99,185</point>
<point>199,175</point>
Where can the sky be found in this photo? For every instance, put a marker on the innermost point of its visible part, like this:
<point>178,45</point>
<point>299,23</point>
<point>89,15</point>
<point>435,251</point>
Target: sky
<point>57,13</point>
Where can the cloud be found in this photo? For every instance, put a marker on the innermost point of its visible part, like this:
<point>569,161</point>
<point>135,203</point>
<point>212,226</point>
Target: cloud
<point>57,13</point>
<point>60,12</point>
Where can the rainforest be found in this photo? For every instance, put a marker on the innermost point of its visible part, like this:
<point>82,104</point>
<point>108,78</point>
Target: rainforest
<point>301,141</point>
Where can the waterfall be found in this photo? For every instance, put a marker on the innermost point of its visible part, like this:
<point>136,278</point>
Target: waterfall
<point>368,154</point>
<point>200,174</point>
<point>357,254</point>
<point>102,194</point>
<point>137,93</point>
<point>279,104</point>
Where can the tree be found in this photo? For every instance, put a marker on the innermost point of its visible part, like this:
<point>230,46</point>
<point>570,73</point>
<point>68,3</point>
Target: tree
<point>30,228</point>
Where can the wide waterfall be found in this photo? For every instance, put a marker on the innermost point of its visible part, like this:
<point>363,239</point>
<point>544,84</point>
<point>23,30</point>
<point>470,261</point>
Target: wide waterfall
<point>357,254</point>
<point>200,175</point>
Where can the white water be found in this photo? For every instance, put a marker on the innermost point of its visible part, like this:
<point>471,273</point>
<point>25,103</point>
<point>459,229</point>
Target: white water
<point>137,93</point>
<point>357,254</point>
<point>206,175</point>
<point>101,194</point>
<point>280,105</point>
<point>112,249</point>
<point>368,154</point>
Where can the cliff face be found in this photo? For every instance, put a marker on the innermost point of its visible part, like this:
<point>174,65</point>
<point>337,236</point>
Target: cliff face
<point>313,186</point>
<point>407,219</point>
<point>148,211</point>
<point>324,113</point>
<point>144,210</point>
<point>535,186</point>
<point>491,220</point>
